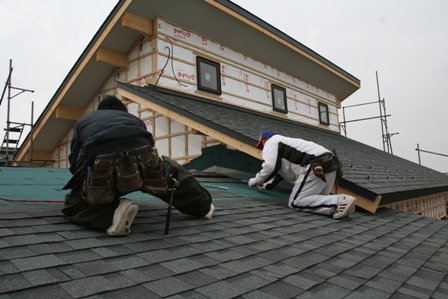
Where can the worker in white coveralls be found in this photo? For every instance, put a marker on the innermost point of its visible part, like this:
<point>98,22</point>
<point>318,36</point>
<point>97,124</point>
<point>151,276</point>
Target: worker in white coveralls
<point>311,168</point>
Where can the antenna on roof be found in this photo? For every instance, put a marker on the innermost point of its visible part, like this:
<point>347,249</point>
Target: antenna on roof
<point>386,136</point>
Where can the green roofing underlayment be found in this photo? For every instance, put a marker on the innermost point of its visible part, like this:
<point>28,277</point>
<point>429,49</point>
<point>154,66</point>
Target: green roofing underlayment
<point>23,185</point>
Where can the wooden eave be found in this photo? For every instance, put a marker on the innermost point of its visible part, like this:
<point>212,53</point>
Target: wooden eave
<point>130,18</point>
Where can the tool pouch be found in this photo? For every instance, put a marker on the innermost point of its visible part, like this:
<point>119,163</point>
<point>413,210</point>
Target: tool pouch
<point>128,174</point>
<point>154,178</point>
<point>318,169</point>
<point>98,187</point>
<point>338,165</point>
<point>326,164</point>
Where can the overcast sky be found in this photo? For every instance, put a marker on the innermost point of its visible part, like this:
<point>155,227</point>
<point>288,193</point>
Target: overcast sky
<point>405,42</point>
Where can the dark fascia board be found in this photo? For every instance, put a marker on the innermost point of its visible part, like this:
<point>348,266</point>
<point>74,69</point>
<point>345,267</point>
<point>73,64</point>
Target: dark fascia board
<point>357,189</point>
<point>284,36</point>
<point>404,195</point>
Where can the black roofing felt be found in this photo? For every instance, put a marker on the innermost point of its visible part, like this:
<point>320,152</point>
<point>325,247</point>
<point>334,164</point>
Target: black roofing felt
<point>252,248</point>
<point>367,170</point>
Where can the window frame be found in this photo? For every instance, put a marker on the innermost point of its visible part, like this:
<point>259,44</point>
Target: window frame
<point>278,89</point>
<point>322,121</point>
<point>203,65</point>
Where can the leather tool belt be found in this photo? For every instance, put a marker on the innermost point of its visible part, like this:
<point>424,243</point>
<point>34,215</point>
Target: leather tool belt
<point>325,164</point>
<point>127,170</point>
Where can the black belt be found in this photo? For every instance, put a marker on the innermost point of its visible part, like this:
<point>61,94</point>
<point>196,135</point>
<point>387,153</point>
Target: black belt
<point>323,157</point>
<point>135,151</point>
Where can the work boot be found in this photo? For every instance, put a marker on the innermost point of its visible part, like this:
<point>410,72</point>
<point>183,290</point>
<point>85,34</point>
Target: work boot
<point>346,206</point>
<point>209,215</point>
<point>123,217</point>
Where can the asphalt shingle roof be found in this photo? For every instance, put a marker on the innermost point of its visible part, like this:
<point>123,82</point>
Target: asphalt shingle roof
<point>252,248</point>
<point>367,170</point>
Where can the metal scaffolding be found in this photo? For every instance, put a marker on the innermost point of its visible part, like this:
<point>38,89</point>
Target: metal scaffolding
<point>386,136</point>
<point>13,130</point>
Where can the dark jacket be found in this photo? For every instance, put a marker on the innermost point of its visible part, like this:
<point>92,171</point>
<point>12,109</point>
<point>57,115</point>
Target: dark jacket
<point>101,132</point>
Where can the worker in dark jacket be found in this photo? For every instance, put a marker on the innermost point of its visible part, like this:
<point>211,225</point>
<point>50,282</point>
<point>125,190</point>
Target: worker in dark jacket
<point>310,167</point>
<point>112,154</point>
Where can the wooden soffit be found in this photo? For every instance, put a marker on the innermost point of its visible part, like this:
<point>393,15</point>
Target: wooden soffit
<point>137,23</point>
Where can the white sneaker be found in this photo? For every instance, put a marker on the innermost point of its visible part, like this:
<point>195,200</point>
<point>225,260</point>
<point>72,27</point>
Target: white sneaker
<point>346,206</point>
<point>210,213</point>
<point>123,217</point>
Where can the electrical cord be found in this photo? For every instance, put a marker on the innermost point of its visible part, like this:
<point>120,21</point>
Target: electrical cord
<point>170,56</point>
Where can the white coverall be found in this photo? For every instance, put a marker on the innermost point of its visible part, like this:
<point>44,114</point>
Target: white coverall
<point>290,158</point>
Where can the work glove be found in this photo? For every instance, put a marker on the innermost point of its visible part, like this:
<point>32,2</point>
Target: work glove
<point>252,182</point>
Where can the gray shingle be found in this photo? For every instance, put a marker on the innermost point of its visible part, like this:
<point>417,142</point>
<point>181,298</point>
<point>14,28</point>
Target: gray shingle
<point>383,284</point>
<point>147,273</point>
<point>304,280</point>
<point>72,272</point>
<point>87,286</point>
<point>246,264</point>
<point>11,253</point>
<point>79,256</point>
<point>225,255</point>
<point>29,239</point>
<point>6,232</point>
<point>232,287</point>
<point>362,271</point>
<point>196,278</point>
<point>182,265</point>
<point>134,292</point>
<point>110,265</point>
<point>46,276</point>
<point>414,292</point>
<point>327,290</point>
<point>398,272</point>
<point>47,292</point>
<point>218,272</point>
<point>306,260</point>
<point>13,282</point>
<point>167,286</point>
<point>366,292</point>
<point>281,289</point>
<point>38,262</point>
<point>426,279</point>
<point>277,262</point>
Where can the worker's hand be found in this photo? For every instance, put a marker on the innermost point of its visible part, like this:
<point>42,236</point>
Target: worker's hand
<point>252,182</point>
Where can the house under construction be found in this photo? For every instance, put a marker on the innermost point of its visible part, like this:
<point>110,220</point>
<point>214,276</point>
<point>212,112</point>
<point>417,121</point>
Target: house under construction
<point>207,77</point>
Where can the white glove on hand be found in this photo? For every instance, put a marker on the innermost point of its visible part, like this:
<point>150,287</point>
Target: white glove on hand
<point>252,182</point>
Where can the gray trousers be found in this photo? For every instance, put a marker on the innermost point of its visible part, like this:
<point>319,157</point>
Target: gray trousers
<point>311,194</point>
